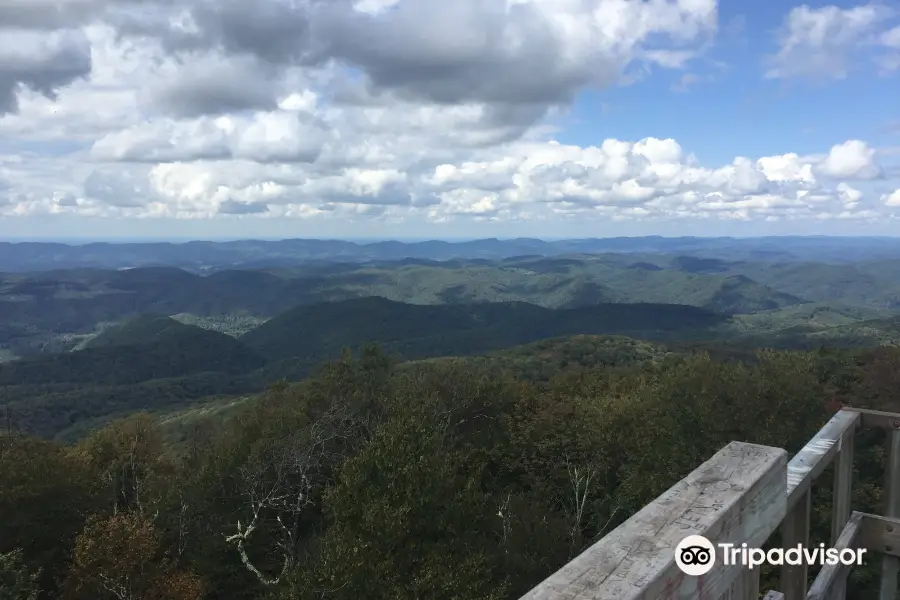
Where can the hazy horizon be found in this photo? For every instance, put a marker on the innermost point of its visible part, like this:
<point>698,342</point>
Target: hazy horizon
<point>80,241</point>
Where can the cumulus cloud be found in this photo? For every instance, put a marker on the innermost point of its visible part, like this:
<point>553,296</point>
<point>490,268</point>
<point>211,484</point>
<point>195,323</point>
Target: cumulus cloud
<point>40,61</point>
<point>265,137</point>
<point>852,159</point>
<point>210,167</point>
<point>213,87</point>
<point>892,199</point>
<point>527,53</point>
<point>375,109</point>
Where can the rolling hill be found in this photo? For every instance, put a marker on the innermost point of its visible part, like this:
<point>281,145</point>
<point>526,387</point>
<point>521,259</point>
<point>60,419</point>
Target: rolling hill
<point>151,362</point>
<point>143,329</point>
<point>318,332</point>
<point>53,311</point>
<point>181,350</point>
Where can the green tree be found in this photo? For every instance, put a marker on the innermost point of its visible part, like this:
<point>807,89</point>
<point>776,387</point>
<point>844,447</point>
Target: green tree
<point>45,494</point>
<point>17,582</point>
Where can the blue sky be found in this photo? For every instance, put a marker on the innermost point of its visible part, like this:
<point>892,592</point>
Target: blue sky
<point>419,118</point>
<point>733,109</point>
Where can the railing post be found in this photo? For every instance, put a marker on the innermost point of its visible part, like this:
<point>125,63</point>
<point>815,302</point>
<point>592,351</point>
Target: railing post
<point>795,530</point>
<point>841,497</point>
<point>751,584</point>
<point>891,564</point>
<point>834,577</point>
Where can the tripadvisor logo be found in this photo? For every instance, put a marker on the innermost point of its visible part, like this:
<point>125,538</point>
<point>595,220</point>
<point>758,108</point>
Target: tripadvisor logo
<point>695,555</point>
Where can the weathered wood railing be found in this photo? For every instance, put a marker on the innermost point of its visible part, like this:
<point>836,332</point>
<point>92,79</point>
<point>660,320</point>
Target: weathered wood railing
<point>742,495</point>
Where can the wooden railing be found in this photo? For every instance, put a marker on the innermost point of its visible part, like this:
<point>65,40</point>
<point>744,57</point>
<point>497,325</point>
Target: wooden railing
<point>742,495</point>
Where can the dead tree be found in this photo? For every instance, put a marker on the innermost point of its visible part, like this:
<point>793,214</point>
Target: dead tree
<point>278,485</point>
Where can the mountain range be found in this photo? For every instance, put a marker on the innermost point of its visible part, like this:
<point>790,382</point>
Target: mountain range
<point>251,254</point>
<point>80,346</point>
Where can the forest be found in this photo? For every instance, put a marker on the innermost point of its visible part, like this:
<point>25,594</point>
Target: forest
<point>447,478</point>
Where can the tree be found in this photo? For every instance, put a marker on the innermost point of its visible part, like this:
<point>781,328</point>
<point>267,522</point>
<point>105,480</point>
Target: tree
<point>16,581</point>
<point>277,484</point>
<point>120,557</point>
<point>131,460</point>
<point>407,520</point>
<point>44,496</point>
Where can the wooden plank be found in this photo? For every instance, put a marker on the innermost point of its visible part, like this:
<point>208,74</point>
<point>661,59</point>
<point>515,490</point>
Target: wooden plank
<point>833,577</point>
<point>880,534</point>
<point>890,565</point>
<point>842,492</point>
<point>751,584</point>
<point>738,496</point>
<point>816,455</point>
<point>795,530</point>
<point>877,419</point>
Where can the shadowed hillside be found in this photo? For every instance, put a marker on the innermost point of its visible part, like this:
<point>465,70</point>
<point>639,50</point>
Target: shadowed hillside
<point>75,302</point>
<point>413,331</point>
<point>143,329</point>
<point>182,351</point>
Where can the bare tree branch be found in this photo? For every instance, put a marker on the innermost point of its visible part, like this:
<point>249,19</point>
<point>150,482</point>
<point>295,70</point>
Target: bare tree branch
<point>279,483</point>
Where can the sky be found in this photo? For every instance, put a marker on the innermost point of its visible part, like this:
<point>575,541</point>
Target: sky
<point>212,119</point>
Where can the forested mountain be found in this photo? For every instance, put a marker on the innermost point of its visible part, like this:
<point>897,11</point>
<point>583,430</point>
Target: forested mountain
<point>414,331</point>
<point>56,311</point>
<point>233,433</point>
<point>153,361</point>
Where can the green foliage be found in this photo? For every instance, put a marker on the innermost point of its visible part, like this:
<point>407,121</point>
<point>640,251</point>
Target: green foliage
<point>140,329</point>
<point>427,504</point>
<point>415,331</point>
<point>16,582</point>
<point>45,494</point>
<point>465,478</point>
<point>173,356</point>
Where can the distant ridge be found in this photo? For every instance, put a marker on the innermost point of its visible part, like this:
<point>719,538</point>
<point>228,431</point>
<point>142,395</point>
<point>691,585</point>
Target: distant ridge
<point>194,255</point>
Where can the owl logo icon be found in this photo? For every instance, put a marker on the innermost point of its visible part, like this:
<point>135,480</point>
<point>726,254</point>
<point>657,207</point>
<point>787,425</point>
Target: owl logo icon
<point>695,555</point>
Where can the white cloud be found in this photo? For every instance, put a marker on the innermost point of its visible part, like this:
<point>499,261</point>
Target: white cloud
<point>202,109</point>
<point>852,159</point>
<point>892,199</point>
<point>890,61</point>
<point>823,42</point>
<point>650,178</point>
<point>849,196</point>
<point>285,136</point>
